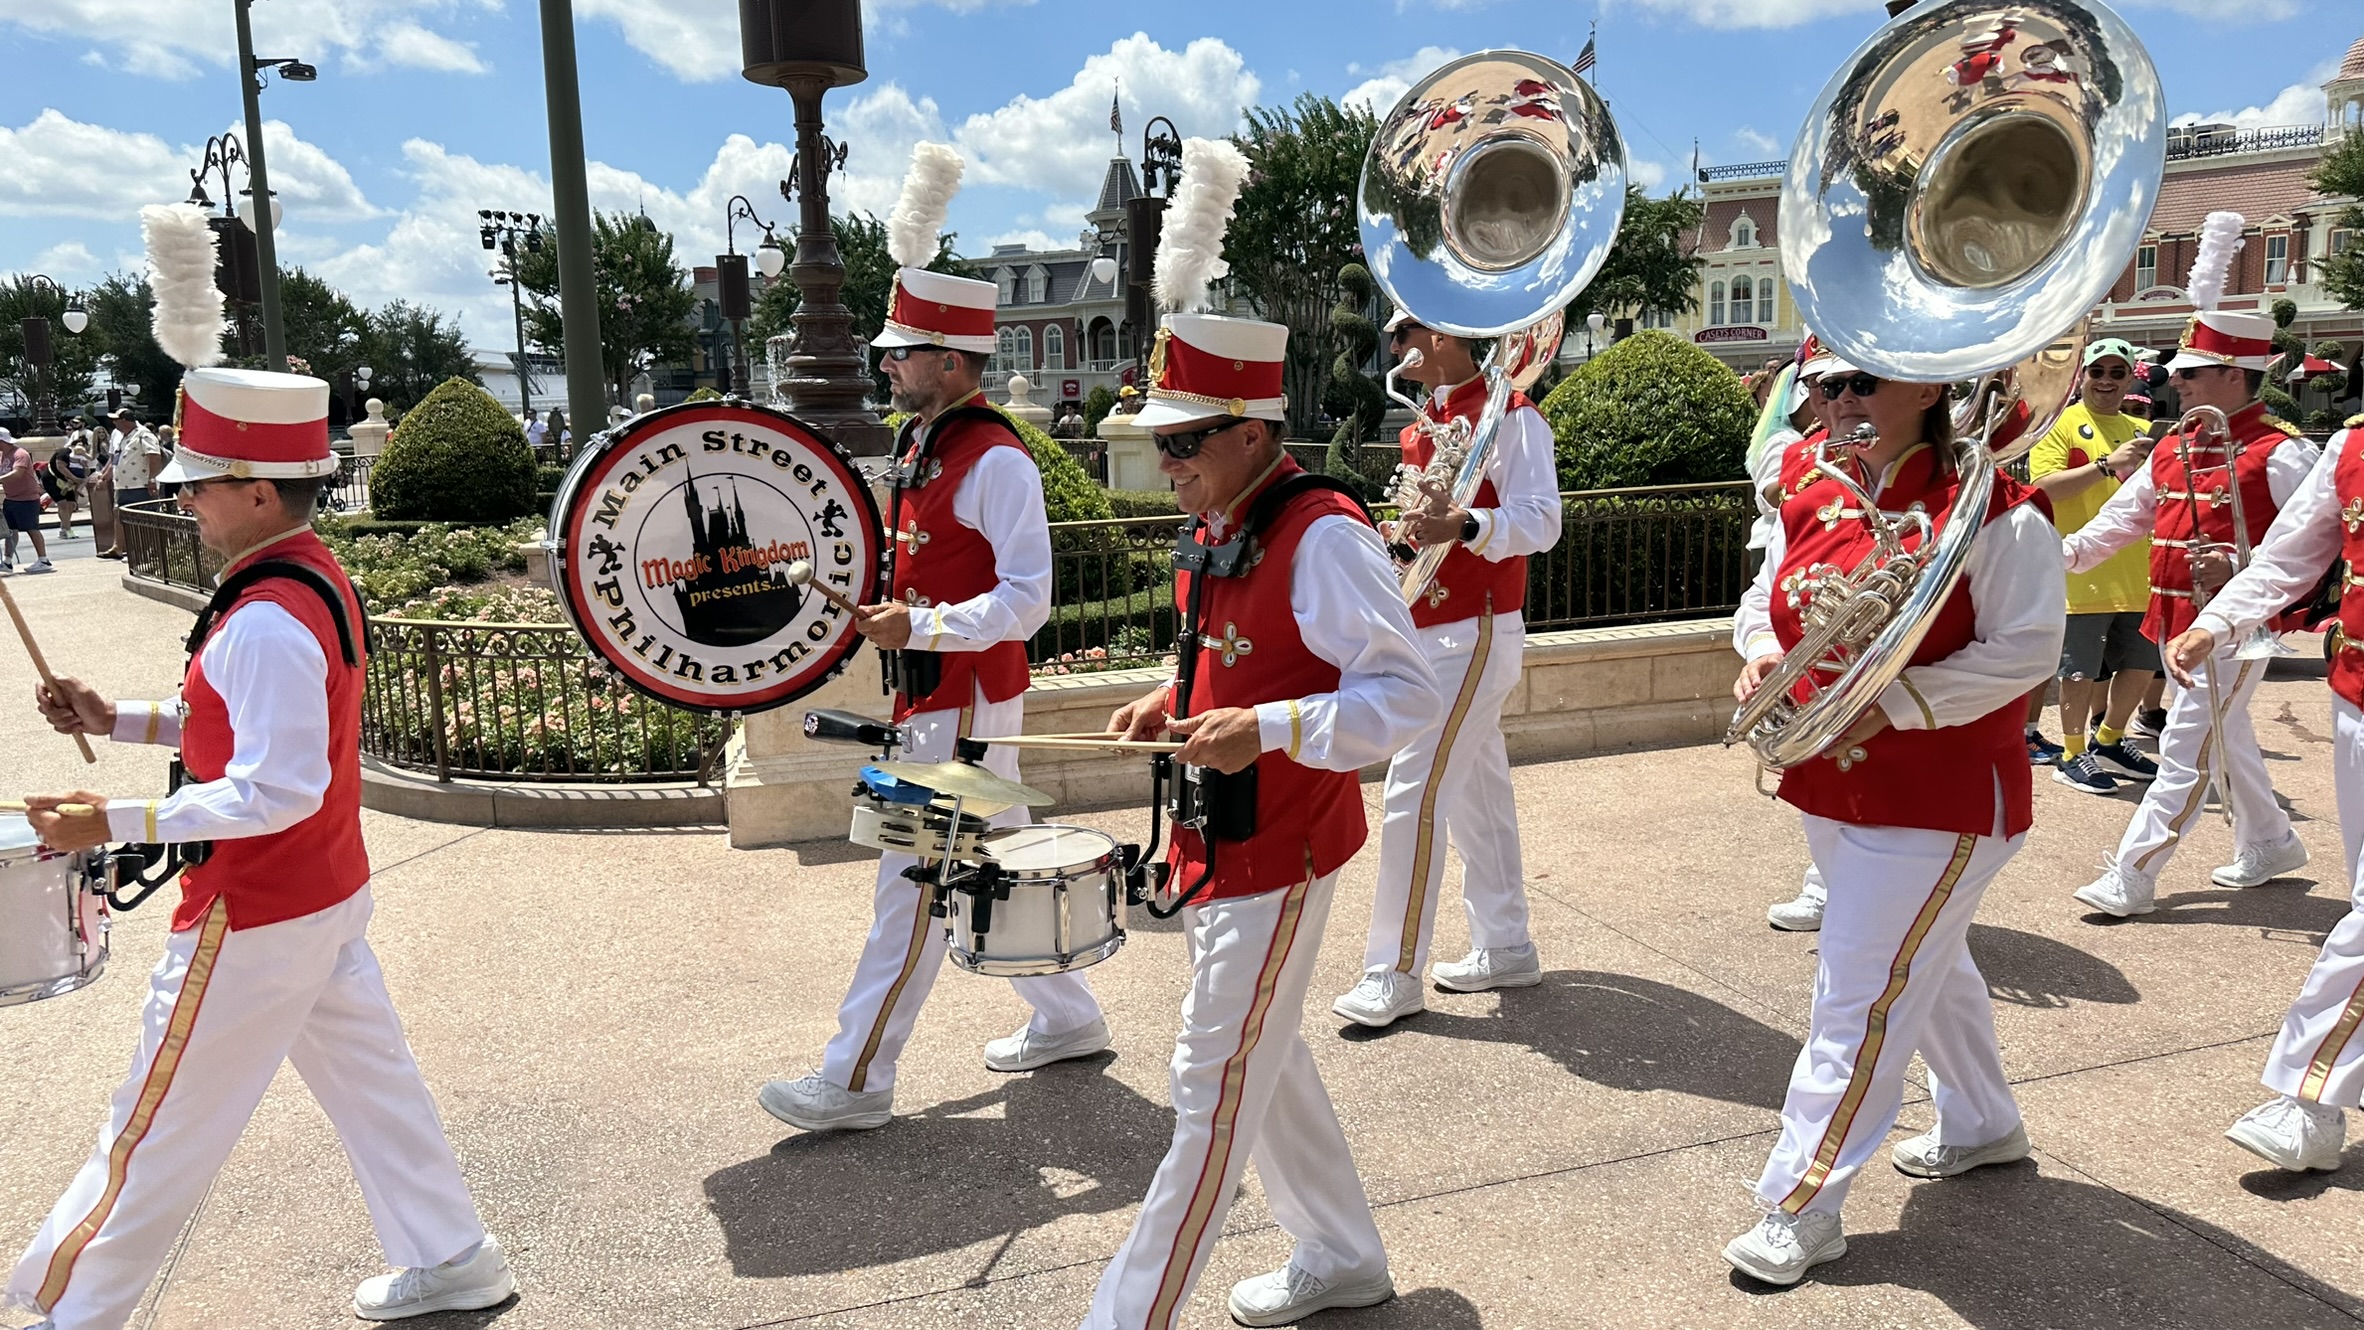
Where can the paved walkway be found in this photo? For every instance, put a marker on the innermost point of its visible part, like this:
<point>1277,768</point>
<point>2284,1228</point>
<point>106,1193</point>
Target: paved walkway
<point>596,1011</point>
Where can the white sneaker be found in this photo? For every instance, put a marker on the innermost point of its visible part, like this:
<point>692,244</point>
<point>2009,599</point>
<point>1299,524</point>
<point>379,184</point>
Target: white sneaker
<point>816,1105</point>
<point>1923,1157</point>
<point>1489,967</point>
<point>2257,865</point>
<point>1028,1049</point>
<point>2293,1134</point>
<point>1783,1247</point>
<point>1289,1295</point>
<point>40,566</point>
<point>479,1279</point>
<point>1381,999</point>
<point>2119,890</point>
<point>1801,915</point>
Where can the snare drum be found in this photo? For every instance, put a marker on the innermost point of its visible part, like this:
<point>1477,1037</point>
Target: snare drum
<point>1066,895</point>
<point>53,917</point>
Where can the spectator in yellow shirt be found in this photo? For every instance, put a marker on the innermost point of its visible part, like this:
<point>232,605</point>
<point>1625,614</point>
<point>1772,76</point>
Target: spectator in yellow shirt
<point>2080,463</point>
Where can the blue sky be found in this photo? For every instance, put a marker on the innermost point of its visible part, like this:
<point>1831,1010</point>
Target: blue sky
<point>427,110</point>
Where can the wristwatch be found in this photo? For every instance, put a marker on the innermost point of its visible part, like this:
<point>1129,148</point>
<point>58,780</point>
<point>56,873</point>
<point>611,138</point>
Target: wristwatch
<point>1469,528</point>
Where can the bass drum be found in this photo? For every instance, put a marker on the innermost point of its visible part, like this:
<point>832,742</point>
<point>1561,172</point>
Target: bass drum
<point>670,542</point>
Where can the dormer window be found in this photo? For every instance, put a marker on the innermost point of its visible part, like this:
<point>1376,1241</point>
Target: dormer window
<point>1744,232</point>
<point>1003,282</point>
<point>1038,286</point>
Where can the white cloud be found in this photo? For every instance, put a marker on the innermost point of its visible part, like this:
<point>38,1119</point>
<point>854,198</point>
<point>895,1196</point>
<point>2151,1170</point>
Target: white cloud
<point>59,167</point>
<point>698,40</point>
<point>67,262</point>
<point>1758,13</point>
<point>1390,81</point>
<point>175,39</point>
<point>1059,143</point>
<point>1763,145</point>
<point>2298,104</point>
<point>1031,239</point>
<point>1648,174</point>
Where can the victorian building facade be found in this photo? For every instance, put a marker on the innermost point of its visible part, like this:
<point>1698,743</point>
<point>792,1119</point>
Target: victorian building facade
<point>1062,325</point>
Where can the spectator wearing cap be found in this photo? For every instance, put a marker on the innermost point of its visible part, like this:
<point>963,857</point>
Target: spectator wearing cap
<point>20,505</point>
<point>2079,464</point>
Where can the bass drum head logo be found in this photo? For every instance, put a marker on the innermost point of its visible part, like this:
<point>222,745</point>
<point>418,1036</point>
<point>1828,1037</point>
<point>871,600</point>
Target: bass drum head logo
<point>679,535</point>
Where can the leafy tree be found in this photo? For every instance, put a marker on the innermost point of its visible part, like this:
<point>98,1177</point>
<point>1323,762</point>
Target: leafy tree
<point>1356,399</point>
<point>324,328</point>
<point>1648,269</point>
<point>645,300</point>
<point>123,326</point>
<point>73,357</point>
<point>1294,230</point>
<point>869,285</point>
<point>2341,175</point>
<point>410,349</point>
<point>1097,404</point>
<point>1651,410</point>
<point>456,457</point>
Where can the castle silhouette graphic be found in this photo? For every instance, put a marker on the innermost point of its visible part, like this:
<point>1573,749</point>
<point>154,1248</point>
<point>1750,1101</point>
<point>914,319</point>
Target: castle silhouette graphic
<point>730,591</point>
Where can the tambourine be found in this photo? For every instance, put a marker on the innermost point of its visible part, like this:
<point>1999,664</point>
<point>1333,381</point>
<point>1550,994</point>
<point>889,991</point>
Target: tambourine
<point>671,540</point>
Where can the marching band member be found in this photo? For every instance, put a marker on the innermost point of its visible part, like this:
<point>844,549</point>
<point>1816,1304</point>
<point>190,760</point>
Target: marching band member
<point>269,961</point>
<point>1453,781</point>
<point>1794,470</point>
<point>2222,365</point>
<point>1300,667</point>
<point>1909,816</point>
<point>2316,1068</point>
<point>971,583</point>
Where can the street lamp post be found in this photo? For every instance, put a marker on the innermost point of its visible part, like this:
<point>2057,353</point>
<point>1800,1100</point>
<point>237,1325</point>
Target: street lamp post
<point>809,47</point>
<point>235,272</point>
<point>250,78</point>
<point>500,230</point>
<point>1161,166</point>
<point>730,279</point>
<point>41,355</point>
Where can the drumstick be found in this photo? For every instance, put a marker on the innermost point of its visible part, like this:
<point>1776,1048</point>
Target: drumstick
<point>1121,745</point>
<point>800,573</point>
<point>70,810</point>
<point>40,665</point>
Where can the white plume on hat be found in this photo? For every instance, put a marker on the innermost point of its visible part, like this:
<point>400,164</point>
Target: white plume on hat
<point>2212,263</point>
<point>181,258</point>
<point>1190,253</point>
<point>918,219</point>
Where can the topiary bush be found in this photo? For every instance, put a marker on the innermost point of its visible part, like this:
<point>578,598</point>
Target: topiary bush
<point>456,457</point>
<point>1651,410</point>
<point>1144,503</point>
<point>1097,404</point>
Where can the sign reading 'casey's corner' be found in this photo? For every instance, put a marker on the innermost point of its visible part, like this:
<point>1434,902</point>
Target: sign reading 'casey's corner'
<point>673,537</point>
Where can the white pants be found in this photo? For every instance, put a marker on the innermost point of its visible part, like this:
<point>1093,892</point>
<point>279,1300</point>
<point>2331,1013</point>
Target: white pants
<point>1244,1084</point>
<point>2188,750</point>
<point>905,949</point>
<point>224,1010</point>
<point>1452,783</point>
<point>2319,1055</point>
<point>1895,977</point>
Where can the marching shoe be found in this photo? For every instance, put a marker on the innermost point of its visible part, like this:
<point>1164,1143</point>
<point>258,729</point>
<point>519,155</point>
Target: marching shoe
<point>2293,1134</point>
<point>2119,890</point>
<point>1381,999</point>
<point>2083,772</point>
<point>1289,1295</point>
<point>479,1279</point>
<point>1801,915</point>
<point>1923,1157</point>
<point>1029,1048</point>
<point>1489,967</point>
<point>2257,865</point>
<point>815,1105</point>
<point>2123,759</point>
<point>1783,1247</point>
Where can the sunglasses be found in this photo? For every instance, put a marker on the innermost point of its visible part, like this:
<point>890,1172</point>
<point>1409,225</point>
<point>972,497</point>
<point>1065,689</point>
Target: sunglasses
<point>2191,372</point>
<point>1862,385</point>
<point>902,353</point>
<point>1185,445</point>
<point>2105,372</point>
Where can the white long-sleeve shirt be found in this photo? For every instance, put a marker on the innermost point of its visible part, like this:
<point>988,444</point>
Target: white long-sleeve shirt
<point>2304,539</point>
<point>2133,512</point>
<point>2019,606</point>
<point>1764,476</point>
<point>1525,470</point>
<point>272,677</point>
<point>1001,499</point>
<point>1350,610</point>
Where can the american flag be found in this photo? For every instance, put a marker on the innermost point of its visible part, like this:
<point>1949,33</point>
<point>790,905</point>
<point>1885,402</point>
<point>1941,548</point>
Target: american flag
<point>1116,115</point>
<point>1584,58</point>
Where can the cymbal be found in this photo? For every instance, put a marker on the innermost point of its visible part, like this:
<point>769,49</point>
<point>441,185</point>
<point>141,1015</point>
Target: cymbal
<point>963,781</point>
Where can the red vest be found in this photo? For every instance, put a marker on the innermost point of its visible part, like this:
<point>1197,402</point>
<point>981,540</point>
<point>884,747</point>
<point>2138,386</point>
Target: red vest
<point>940,561</point>
<point>1797,463</point>
<point>1940,780</point>
<point>320,861</point>
<point>1467,583</point>
<point>2171,560</point>
<point>1308,822</point>
<point>2347,663</point>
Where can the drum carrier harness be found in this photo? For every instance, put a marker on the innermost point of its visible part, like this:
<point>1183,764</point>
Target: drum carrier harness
<point>916,674</point>
<point>151,866</point>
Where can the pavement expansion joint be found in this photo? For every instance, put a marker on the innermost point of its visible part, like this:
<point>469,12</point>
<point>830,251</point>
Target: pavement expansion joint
<point>1784,1013</point>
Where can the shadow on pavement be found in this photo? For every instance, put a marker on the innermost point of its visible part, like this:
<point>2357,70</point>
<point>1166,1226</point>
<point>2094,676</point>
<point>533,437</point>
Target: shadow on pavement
<point>1068,1139</point>
<point>1630,1034</point>
<point>2031,970</point>
<point>2274,1184</point>
<point>2288,904</point>
<point>2106,1262</point>
<point>1420,1309</point>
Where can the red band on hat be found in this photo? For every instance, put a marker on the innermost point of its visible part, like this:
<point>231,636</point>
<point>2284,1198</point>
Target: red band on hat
<point>245,441</point>
<point>2209,342</point>
<point>1190,370</point>
<point>939,316</point>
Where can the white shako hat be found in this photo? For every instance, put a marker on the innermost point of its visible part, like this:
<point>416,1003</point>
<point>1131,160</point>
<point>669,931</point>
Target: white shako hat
<point>2214,337</point>
<point>1207,366</point>
<point>934,309</point>
<point>249,424</point>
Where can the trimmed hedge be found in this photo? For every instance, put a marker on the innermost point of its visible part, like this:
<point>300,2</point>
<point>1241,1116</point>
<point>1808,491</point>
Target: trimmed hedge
<point>1651,410</point>
<point>1143,503</point>
<point>456,457</point>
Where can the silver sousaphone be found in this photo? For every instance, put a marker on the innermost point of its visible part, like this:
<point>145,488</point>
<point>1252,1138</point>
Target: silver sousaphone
<point>1967,189</point>
<point>1490,198</point>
